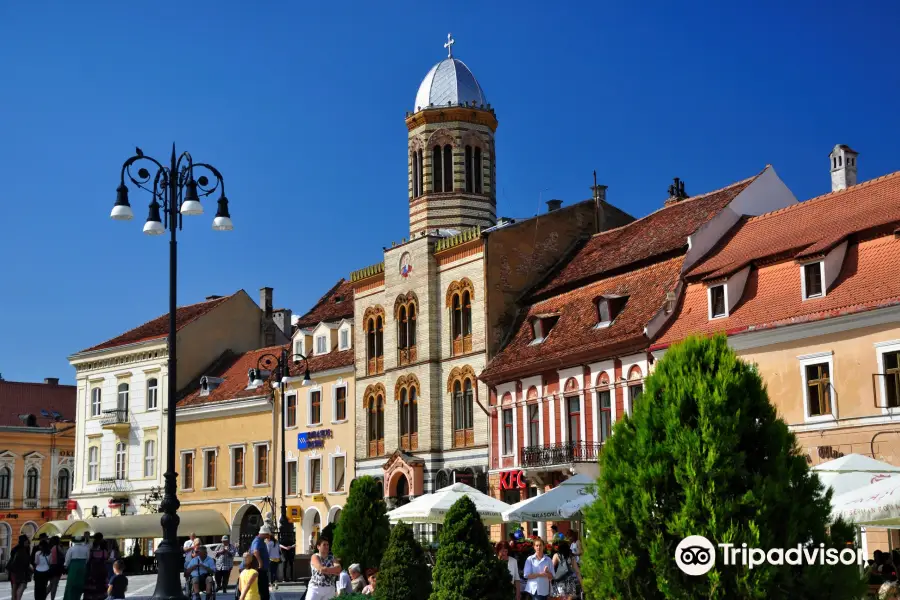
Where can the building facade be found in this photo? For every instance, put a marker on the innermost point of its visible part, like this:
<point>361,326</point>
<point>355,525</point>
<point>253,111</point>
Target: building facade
<point>122,386</point>
<point>37,457</point>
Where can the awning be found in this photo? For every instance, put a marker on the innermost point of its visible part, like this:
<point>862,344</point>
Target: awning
<point>432,508</point>
<point>852,472</point>
<point>52,528</point>
<point>201,522</point>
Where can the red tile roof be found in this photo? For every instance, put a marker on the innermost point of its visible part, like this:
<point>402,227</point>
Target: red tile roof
<point>19,398</point>
<point>233,368</point>
<point>660,232</point>
<point>159,327</point>
<point>807,228</point>
<point>575,338</point>
<point>868,279</point>
<point>325,362</point>
<point>336,304</point>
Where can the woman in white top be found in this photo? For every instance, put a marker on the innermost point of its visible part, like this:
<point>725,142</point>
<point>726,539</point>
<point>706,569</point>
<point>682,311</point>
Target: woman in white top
<point>538,572</point>
<point>41,570</point>
<point>502,550</point>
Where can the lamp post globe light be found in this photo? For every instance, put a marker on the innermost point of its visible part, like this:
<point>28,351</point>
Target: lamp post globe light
<point>278,368</point>
<point>174,191</point>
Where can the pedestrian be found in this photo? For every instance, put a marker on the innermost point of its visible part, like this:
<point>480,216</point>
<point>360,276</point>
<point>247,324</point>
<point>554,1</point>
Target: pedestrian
<point>372,576</point>
<point>260,551</point>
<point>57,559</point>
<point>76,568</point>
<point>114,555</point>
<point>324,572</point>
<point>95,584</point>
<point>274,548</point>
<point>567,576</point>
<point>345,579</point>
<point>248,582</point>
<point>287,562</point>
<point>502,550</point>
<point>572,537</point>
<point>538,572</point>
<point>41,566</point>
<point>118,583</point>
<point>202,569</point>
<point>358,582</point>
<point>189,544</point>
<point>224,563</point>
<point>19,568</point>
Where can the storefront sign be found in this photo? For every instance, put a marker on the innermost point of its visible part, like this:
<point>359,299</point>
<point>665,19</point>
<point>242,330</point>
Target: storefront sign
<point>66,453</point>
<point>294,514</point>
<point>11,516</point>
<point>319,498</point>
<point>313,439</point>
<point>512,480</point>
<point>825,453</point>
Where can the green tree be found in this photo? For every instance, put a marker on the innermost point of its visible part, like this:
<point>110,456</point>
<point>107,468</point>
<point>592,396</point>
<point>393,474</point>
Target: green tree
<point>362,532</point>
<point>404,574</point>
<point>327,533</point>
<point>705,454</point>
<point>466,567</point>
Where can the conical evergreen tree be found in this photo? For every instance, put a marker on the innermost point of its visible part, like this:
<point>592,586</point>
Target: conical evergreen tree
<point>404,574</point>
<point>705,454</point>
<point>466,567</point>
<point>362,533</point>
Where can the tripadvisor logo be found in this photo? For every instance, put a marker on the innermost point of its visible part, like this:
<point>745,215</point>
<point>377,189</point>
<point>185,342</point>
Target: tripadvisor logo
<point>696,555</point>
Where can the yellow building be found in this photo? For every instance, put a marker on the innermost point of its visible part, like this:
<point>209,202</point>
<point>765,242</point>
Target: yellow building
<point>320,417</point>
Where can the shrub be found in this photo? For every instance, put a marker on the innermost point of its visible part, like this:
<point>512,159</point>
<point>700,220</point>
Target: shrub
<point>404,574</point>
<point>362,532</point>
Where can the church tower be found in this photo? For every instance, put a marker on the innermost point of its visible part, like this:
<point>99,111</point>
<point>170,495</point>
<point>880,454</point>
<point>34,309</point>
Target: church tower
<point>451,151</point>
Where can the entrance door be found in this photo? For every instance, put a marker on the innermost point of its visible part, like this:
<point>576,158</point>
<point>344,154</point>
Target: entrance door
<point>250,524</point>
<point>402,491</point>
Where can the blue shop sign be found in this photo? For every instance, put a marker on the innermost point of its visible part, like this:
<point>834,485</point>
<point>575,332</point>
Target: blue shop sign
<point>313,439</point>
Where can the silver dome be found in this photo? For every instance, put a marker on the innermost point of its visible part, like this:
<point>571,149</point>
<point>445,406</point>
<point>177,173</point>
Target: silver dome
<point>449,81</point>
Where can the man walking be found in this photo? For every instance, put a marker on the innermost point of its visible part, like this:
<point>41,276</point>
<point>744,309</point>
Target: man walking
<point>224,563</point>
<point>259,549</point>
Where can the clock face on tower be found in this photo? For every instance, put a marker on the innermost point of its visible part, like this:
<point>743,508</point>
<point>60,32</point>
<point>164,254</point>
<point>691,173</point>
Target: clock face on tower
<point>405,265</point>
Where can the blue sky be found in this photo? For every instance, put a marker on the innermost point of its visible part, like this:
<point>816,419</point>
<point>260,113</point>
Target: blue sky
<point>301,106</point>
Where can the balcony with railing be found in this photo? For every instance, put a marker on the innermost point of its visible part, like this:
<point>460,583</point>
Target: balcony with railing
<point>5,503</point>
<point>60,503</point>
<point>564,453</point>
<point>30,503</point>
<point>115,419</point>
<point>111,485</point>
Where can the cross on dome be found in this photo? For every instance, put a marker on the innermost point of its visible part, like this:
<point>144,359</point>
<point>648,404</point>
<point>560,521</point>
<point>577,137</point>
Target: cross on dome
<point>449,45</point>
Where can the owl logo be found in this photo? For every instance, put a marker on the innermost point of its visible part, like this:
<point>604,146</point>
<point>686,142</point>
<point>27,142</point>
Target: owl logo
<point>405,265</point>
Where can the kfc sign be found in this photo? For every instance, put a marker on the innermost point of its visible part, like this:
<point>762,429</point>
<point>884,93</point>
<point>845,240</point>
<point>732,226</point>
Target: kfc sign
<point>512,480</point>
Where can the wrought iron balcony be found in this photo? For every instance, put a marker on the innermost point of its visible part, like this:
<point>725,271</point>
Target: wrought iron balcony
<point>560,454</point>
<point>31,503</point>
<point>116,418</point>
<point>5,504</point>
<point>110,485</point>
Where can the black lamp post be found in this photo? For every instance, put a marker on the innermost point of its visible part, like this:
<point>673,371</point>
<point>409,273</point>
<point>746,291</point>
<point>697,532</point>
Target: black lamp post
<point>174,190</point>
<point>279,367</point>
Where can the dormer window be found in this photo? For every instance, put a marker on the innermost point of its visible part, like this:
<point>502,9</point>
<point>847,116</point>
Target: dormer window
<point>298,346</point>
<point>321,344</point>
<point>812,280</point>
<point>717,306</point>
<point>257,378</point>
<point>541,327</point>
<point>208,384</point>
<point>344,339</point>
<point>608,308</point>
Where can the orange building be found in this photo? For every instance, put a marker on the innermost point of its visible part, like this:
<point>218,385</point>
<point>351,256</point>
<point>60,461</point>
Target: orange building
<point>37,456</point>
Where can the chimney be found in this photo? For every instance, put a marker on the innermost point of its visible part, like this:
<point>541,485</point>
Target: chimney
<point>265,301</point>
<point>282,318</point>
<point>676,192</point>
<point>599,192</point>
<point>51,380</point>
<point>213,297</point>
<point>843,167</point>
<point>553,205</point>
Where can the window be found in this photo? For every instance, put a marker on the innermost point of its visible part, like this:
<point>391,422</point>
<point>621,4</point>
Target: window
<point>414,164</point>
<point>314,481</point>
<point>122,400</point>
<point>292,478</point>
<point>375,422</point>
<point>345,339</point>
<point>321,344</point>
<point>150,458</point>
<point>604,401</point>
<point>437,176</point>
<point>717,302</point>
<point>573,424</point>
<point>374,320</point>
<point>290,415</point>
<point>315,407</point>
<point>448,168</point>
<point>152,394</point>
<point>892,378</point>
<point>634,392</point>
<point>298,345</point>
<point>121,460</point>
<point>5,480</point>
<point>470,183</point>
<point>818,393</point>
<point>419,175</point>
<point>95,402</point>
<point>534,424</point>
<point>812,280</point>
<point>459,301</point>
<point>31,484</point>
<point>541,327</point>
<point>478,169</point>
<point>635,387</point>
<point>93,463</point>
<point>408,406</point>
<point>338,468</point>
<point>405,314</point>
<point>262,464</point>
<point>187,471</point>
<point>209,471</point>
<point>474,170</point>
<point>340,403</point>
<point>507,431</point>
<point>463,416</point>
<point>237,466</point>
<point>63,484</point>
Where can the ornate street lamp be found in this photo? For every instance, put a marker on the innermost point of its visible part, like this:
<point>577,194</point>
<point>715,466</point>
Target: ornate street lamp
<point>174,190</point>
<point>278,367</point>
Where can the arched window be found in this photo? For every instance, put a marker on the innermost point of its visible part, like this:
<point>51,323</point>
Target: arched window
<point>401,327</point>
<point>406,393</point>
<point>604,407</point>
<point>478,169</point>
<point>448,168</point>
<point>414,160</point>
<point>572,397</point>
<point>93,463</point>
<point>461,386</point>
<point>122,401</point>
<point>635,387</point>
<point>5,481</point>
<point>31,484</point>
<point>405,315</point>
<point>374,325</point>
<point>5,539</point>
<point>63,484</point>
<point>437,171</point>
<point>470,179</point>
<point>375,421</point>
<point>421,179</point>
<point>459,301</point>
<point>441,480</point>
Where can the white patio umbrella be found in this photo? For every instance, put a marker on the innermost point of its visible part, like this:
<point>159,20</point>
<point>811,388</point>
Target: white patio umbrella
<point>876,505</point>
<point>852,472</point>
<point>432,508</point>
<point>572,495</point>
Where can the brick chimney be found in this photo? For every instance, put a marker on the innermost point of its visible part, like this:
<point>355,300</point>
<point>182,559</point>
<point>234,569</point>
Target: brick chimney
<point>268,323</point>
<point>599,192</point>
<point>265,301</point>
<point>553,205</point>
<point>676,192</point>
<point>843,167</point>
<point>51,380</point>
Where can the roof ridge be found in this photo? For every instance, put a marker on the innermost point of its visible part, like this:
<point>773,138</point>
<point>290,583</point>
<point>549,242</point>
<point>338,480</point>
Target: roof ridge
<point>323,299</point>
<point>55,385</point>
<point>822,197</point>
